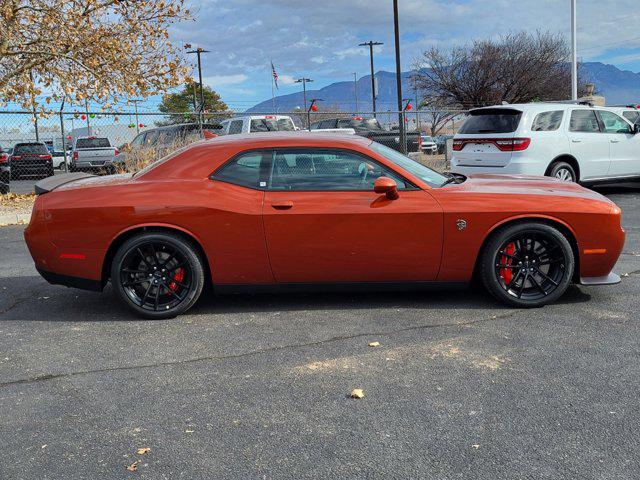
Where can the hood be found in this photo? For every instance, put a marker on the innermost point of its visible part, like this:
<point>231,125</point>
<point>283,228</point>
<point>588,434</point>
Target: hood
<point>526,185</point>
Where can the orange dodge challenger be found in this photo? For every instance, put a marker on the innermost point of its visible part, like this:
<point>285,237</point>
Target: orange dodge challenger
<point>290,210</point>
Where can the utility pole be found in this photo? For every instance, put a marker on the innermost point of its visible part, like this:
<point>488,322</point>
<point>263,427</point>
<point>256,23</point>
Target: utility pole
<point>135,105</point>
<point>86,113</point>
<point>199,51</point>
<point>415,86</point>
<point>304,82</point>
<point>355,89</point>
<point>396,30</point>
<point>574,52</point>
<point>371,44</point>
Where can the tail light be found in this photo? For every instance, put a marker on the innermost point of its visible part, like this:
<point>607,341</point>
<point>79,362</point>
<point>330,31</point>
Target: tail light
<point>45,157</point>
<point>75,155</point>
<point>503,144</point>
<point>117,152</point>
<point>15,157</point>
<point>3,158</point>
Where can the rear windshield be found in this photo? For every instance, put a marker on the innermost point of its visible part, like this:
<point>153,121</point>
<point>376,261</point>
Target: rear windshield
<point>37,148</point>
<point>492,120</point>
<point>92,143</point>
<point>272,125</point>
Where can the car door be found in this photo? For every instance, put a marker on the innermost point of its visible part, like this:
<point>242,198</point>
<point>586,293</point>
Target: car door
<point>588,144</point>
<point>624,145</point>
<point>324,223</point>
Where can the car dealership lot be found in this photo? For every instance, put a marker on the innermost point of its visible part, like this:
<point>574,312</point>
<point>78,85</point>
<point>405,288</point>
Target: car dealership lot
<point>256,386</point>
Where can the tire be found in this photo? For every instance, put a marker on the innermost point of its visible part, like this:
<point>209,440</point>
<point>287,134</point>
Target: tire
<point>544,257</point>
<point>50,172</point>
<point>4,188</point>
<point>139,266</point>
<point>563,171</point>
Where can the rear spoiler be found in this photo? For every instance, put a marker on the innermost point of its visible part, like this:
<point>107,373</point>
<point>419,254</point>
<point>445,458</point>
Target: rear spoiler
<point>51,183</point>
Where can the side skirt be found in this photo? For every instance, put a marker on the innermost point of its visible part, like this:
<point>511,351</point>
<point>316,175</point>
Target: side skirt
<point>339,287</point>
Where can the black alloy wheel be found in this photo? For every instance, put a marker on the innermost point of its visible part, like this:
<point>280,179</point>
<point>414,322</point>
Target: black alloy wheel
<point>528,265</point>
<point>158,275</point>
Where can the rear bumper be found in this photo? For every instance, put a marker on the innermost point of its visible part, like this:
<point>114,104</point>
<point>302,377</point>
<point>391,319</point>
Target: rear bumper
<point>69,281</point>
<point>518,165</point>
<point>610,279</point>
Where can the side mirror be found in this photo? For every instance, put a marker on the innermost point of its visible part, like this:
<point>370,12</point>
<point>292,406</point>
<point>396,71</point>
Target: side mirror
<point>387,186</point>
<point>636,128</point>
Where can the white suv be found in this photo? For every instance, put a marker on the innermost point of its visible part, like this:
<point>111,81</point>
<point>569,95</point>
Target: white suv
<point>257,123</point>
<point>571,142</point>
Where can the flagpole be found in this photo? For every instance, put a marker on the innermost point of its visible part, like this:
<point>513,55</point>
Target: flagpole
<point>273,93</point>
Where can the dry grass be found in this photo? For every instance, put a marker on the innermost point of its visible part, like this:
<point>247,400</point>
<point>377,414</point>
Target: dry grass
<point>139,159</point>
<point>436,162</point>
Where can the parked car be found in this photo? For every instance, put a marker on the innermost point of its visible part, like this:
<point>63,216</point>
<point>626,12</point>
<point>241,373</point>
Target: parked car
<point>257,123</point>
<point>58,158</point>
<point>279,210</point>
<point>441,141</point>
<point>5,172</point>
<point>164,139</point>
<point>30,159</point>
<point>370,128</point>
<point>428,144</point>
<point>94,154</point>
<point>630,112</point>
<point>572,142</point>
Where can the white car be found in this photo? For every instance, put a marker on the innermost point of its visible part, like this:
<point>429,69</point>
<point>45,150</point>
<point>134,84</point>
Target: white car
<point>428,144</point>
<point>568,141</point>
<point>257,123</point>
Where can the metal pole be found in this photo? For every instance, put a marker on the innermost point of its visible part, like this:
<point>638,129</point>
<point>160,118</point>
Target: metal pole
<point>135,104</point>
<point>355,89</point>
<point>304,92</point>
<point>86,113</point>
<point>370,44</point>
<point>64,140</point>
<point>415,86</point>
<point>396,29</point>
<point>574,52</point>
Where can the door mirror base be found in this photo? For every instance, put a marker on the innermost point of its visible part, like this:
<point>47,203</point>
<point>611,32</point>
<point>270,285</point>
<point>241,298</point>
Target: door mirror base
<point>388,186</point>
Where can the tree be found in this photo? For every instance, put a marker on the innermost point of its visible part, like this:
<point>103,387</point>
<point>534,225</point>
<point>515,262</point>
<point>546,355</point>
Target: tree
<point>519,67</point>
<point>82,50</point>
<point>188,100</point>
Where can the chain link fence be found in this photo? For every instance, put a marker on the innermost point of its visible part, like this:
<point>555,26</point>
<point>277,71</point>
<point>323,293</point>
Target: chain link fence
<point>34,147</point>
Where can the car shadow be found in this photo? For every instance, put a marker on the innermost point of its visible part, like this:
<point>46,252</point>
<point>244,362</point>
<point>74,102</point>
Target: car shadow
<point>30,298</point>
<point>617,188</point>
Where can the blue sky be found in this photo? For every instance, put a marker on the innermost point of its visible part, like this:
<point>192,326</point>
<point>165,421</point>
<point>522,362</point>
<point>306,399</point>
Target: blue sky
<point>319,39</point>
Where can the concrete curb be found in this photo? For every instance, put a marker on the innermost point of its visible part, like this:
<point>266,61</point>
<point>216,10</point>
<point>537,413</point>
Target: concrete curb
<point>14,219</point>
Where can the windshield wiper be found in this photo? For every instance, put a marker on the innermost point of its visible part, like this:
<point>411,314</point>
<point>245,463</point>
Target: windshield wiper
<point>453,178</point>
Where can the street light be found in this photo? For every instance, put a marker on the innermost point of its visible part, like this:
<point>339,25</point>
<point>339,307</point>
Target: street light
<point>574,52</point>
<point>304,82</point>
<point>371,44</point>
<point>199,51</point>
<point>312,108</point>
<point>355,89</point>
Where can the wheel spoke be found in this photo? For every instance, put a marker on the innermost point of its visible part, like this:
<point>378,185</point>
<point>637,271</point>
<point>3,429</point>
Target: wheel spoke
<point>146,293</point>
<point>172,292</point>
<point>136,282</point>
<point>133,270</point>
<point>513,280</point>
<point>521,289</point>
<point>508,255</point>
<point>546,277</point>
<point>143,258</point>
<point>537,284</point>
<point>155,306</point>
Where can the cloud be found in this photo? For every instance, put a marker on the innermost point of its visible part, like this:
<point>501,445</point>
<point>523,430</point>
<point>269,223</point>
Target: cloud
<point>216,81</point>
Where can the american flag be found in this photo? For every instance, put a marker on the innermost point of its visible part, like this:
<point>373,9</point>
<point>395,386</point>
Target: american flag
<point>275,74</point>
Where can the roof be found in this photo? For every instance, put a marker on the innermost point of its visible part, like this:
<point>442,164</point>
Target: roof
<point>289,139</point>
<point>536,106</point>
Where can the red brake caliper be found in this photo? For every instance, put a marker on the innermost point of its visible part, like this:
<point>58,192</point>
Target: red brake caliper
<point>177,277</point>
<point>506,273</point>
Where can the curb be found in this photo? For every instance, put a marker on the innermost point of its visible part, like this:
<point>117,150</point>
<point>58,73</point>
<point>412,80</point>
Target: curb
<point>14,219</point>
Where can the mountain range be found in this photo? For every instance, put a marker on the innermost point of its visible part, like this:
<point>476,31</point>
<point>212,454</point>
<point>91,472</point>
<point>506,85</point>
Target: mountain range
<point>617,86</point>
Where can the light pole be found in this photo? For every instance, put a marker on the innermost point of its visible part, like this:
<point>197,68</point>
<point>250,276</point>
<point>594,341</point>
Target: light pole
<point>371,44</point>
<point>135,105</point>
<point>396,31</point>
<point>304,82</point>
<point>312,108</point>
<point>355,89</point>
<point>199,51</point>
<point>574,52</point>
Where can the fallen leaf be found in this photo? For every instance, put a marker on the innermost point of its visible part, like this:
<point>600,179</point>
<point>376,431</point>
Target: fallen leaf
<point>357,393</point>
<point>624,275</point>
<point>143,450</point>
<point>134,466</point>
<point>44,446</point>
<point>137,429</point>
<point>189,431</point>
<point>374,344</point>
<point>476,446</point>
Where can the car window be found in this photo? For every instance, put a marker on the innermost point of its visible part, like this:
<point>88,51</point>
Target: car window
<point>151,138</point>
<point>244,170</point>
<point>310,169</point>
<point>631,115</point>
<point>35,148</point>
<point>235,127</point>
<point>614,123</point>
<point>491,120</point>
<point>138,141</point>
<point>547,121</point>
<point>93,143</point>
<point>584,121</point>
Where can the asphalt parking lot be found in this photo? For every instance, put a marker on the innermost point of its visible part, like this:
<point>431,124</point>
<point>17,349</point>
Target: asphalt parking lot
<point>257,386</point>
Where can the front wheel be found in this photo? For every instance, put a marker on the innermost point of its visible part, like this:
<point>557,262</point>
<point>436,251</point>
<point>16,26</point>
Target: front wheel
<point>563,171</point>
<point>527,265</point>
<point>158,275</point>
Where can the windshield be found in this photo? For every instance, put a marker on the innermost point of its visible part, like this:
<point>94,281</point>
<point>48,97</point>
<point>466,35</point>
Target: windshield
<point>35,148</point>
<point>492,120</point>
<point>427,139</point>
<point>92,143</point>
<point>428,176</point>
<point>272,125</point>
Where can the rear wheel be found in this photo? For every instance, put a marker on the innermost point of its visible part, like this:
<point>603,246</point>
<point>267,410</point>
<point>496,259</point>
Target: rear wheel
<point>158,275</point>
<point>563,171</point>
<point>527,265</point>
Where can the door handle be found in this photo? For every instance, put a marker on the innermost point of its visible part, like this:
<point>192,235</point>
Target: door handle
<point>282,205</point>
<point>575,140</point>
<point>614,141</point>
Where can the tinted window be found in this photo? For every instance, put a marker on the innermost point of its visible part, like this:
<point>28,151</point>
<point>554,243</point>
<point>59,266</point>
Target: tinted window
<point>631,115</point>
<point>235,127</point>
<point>244,170</point>
<point>613,123</point>
<point>92,143</point>
<point>430,177</point>
<point>547,121</point>
<point>326,170</point>
<point>271,125</point>
<point>496,120</point>
<point>35,148</point>
<point>584,121</point>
